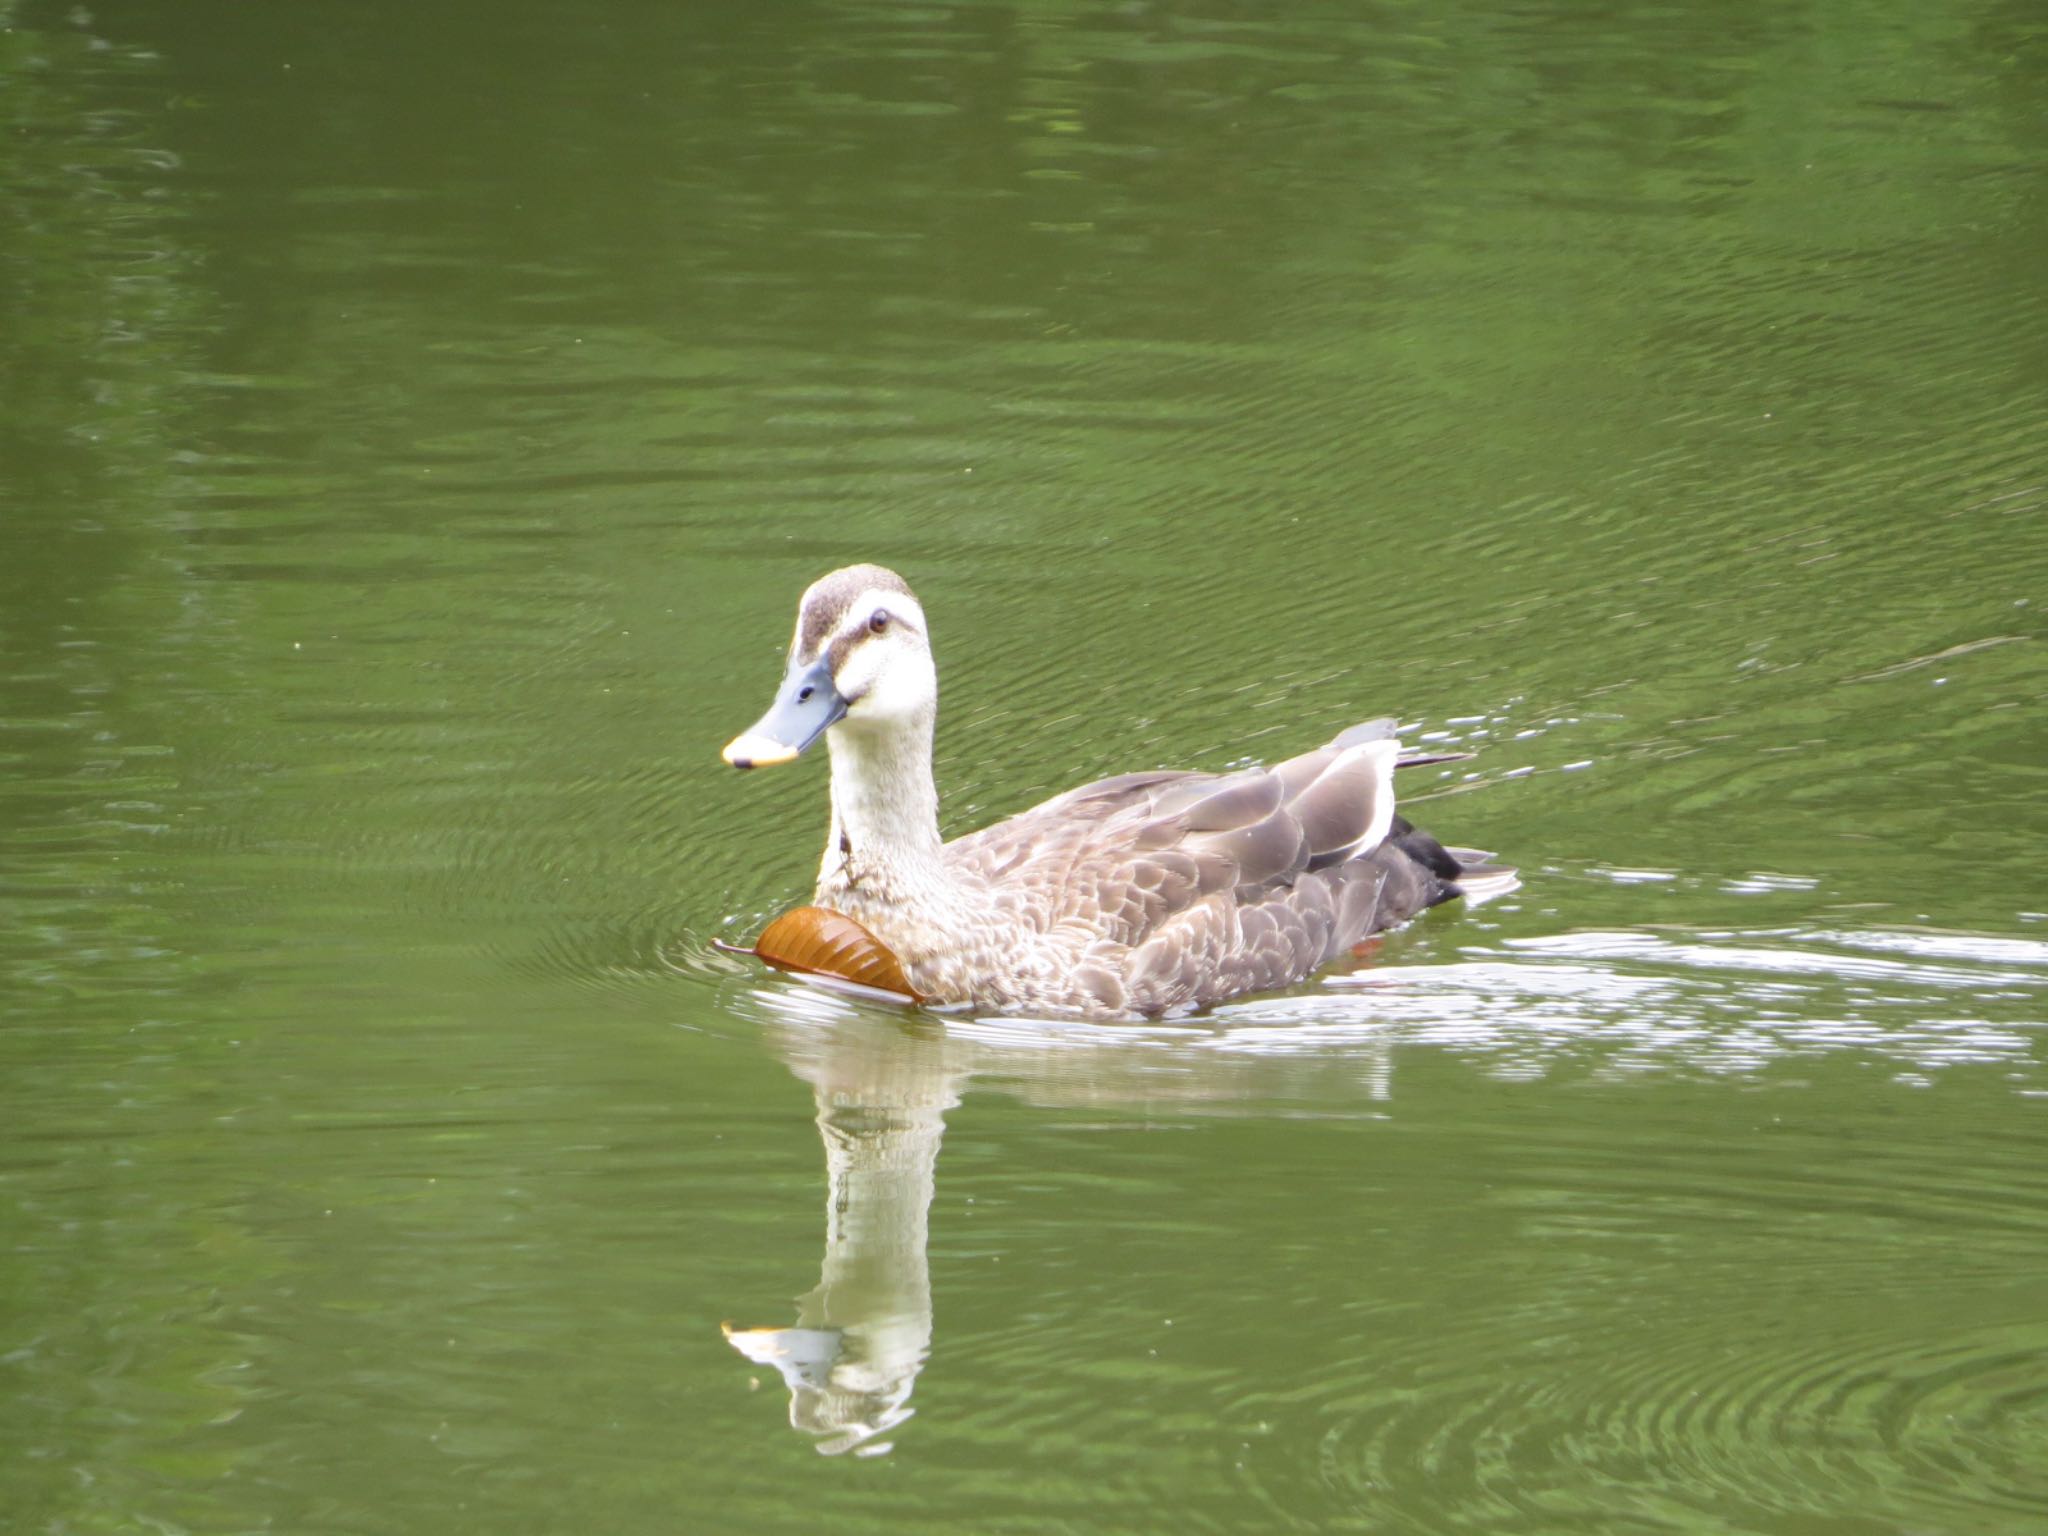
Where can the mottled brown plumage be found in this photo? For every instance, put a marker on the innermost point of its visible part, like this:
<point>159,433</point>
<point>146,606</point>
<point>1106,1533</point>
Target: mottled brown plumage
<point>1142,895</point>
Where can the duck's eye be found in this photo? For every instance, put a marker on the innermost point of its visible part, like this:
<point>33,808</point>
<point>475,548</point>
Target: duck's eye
<point>878,621</point>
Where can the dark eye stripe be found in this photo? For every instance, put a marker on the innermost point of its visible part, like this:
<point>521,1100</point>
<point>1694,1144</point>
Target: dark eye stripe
<point>843,643</point>
<point>842,647</point>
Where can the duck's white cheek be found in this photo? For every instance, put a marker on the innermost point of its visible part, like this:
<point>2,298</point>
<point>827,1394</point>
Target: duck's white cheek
<point>857,679</point>
<point>888,682</point>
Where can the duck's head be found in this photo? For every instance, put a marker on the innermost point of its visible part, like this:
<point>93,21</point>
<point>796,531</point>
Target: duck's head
<point>859,655</point>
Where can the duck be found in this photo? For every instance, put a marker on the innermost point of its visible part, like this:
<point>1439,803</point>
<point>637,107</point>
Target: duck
<point>1145,896</point>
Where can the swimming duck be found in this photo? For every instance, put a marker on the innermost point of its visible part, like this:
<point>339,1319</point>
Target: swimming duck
<point>1144,895</point>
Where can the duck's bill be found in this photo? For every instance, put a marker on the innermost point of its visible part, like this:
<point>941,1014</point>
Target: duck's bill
<point>806,705</point>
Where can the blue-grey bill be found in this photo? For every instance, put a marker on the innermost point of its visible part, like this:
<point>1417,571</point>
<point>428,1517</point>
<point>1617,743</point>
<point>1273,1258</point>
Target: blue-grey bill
<point>805,706</point>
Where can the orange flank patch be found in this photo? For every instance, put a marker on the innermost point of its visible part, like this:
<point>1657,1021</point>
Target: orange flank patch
<point>817,941</point>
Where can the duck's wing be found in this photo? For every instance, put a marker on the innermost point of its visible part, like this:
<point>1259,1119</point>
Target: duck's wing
<point>1048,836</point>
<point>1124,856</point>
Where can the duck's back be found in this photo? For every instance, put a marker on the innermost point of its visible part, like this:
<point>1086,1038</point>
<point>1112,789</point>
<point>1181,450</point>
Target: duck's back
<point>1154,892</point>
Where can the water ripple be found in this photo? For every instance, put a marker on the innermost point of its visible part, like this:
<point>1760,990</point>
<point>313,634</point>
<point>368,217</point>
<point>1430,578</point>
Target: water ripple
<point>1695,1421</point>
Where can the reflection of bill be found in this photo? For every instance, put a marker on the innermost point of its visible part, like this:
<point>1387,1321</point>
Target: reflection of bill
<point>862,1333</point>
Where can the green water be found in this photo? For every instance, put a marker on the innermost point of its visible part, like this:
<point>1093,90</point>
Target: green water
<point>416,425</point>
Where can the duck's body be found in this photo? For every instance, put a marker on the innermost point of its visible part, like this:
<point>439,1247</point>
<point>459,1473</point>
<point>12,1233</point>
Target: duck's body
<point>1142,895</point>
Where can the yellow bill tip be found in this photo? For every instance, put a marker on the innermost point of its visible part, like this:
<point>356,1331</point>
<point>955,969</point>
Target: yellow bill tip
<point>751,751</point>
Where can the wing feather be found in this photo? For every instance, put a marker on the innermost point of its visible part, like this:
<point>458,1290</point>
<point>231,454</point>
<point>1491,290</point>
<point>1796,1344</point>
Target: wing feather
<point>1195,886</point>
<point>1348,804</point>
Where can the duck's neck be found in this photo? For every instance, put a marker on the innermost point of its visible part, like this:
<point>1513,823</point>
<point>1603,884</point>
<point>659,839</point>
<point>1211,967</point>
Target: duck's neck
<point>884,847</point>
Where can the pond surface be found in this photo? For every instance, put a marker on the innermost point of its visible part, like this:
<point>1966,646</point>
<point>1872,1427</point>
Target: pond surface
<point>416,426</point>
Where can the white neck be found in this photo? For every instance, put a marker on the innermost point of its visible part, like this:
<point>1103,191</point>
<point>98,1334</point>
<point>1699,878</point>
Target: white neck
<point>884,845</point>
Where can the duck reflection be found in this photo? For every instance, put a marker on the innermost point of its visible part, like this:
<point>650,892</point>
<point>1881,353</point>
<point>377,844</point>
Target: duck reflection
<point>883,1080</point>
<point>882,1088</point>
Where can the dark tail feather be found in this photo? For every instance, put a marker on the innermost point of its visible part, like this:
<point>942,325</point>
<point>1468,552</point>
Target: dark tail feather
<point>1458,871</point>
<point>1424,850</point>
